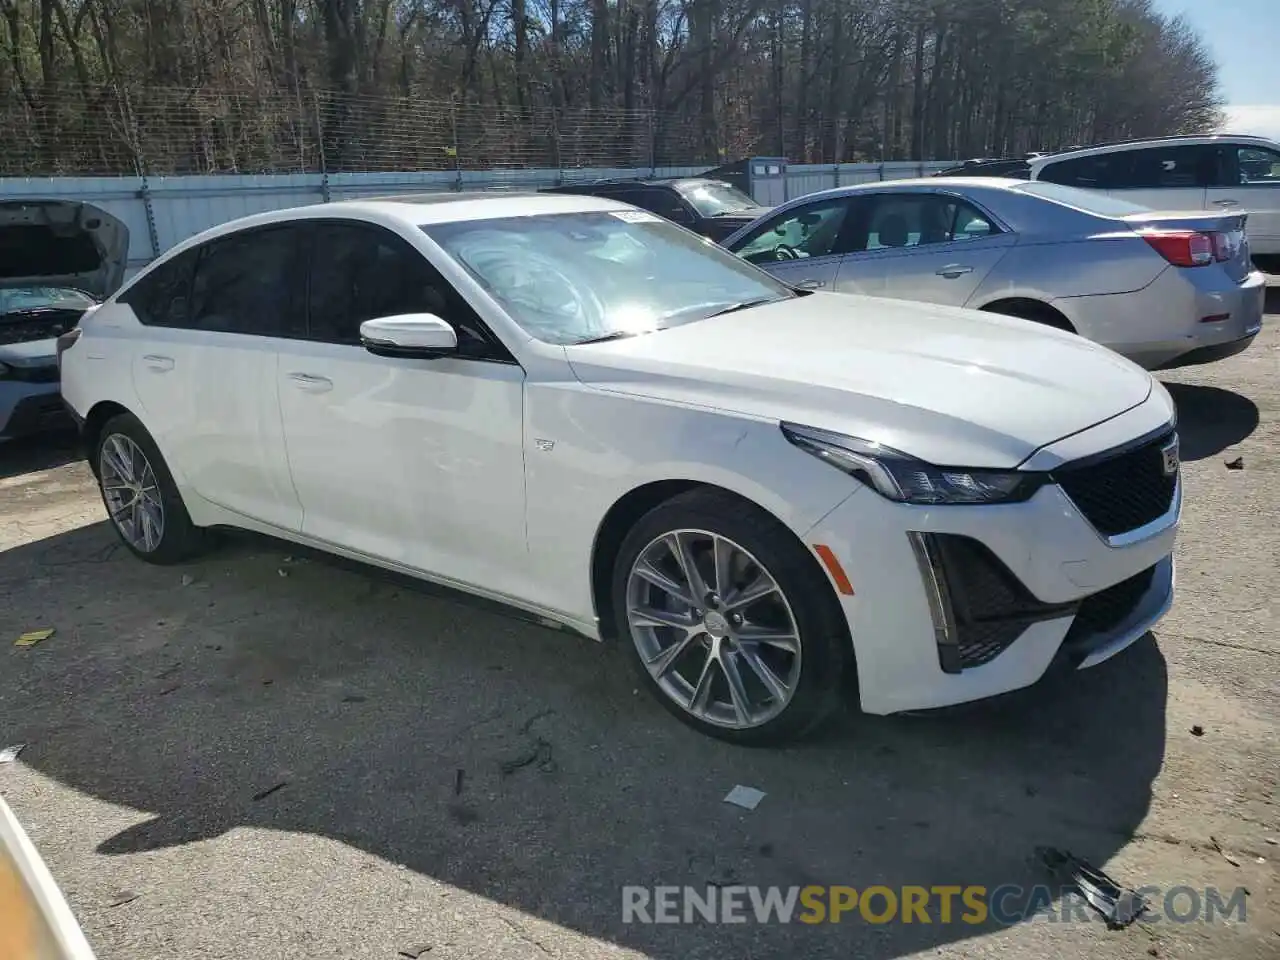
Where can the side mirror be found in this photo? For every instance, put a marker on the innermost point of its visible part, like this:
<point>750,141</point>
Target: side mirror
<point>422,335</point>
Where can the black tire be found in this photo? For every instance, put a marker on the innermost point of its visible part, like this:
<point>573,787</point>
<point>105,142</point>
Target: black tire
<point>179,539</point>
<point>1036,313</point>
<point>826,655</point>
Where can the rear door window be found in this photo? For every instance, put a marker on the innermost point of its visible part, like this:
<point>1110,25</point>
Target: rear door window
<point>251,283</point>
<point>907,220</point>
<point>1165,168</point>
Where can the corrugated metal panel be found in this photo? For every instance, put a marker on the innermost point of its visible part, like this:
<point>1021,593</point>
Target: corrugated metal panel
<point>176,208</point>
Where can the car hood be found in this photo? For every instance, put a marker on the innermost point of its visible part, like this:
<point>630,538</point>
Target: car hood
<point>951,386</point>
<point>62,243</point>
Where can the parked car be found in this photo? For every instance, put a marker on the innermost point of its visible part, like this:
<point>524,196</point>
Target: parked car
<point>577,408</point>
<point>57,260</point>
<point>708,207</point>
<point>35,921</point>
<point>1223,173</point>
<point>1163,289</point>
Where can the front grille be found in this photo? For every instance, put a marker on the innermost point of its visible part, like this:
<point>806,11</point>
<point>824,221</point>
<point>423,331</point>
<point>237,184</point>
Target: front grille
<point>1122,492</point>
<point>1102,612</point>
<point>990,607</point>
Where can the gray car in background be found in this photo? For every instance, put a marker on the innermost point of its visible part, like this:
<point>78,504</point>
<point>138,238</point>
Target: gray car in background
<point>1164,289</point>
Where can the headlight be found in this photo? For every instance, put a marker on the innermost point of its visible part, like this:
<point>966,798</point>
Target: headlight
<point>897,476</point>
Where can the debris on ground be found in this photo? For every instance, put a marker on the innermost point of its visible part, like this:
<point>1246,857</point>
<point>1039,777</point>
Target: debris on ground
<point>188,579</point>
<point>1236,464</point>
<point>414,951</point>
<point>540,752</point>
<point>1117,905</point>
<point>10,754</point>
<point>457,782</point>
<point>32,637</point>
<point>263,794</point>
<point>748,798</point>
<point>1225,856</point>
<point>282,571</point>
<point>1270,840</point>
<point>123,897</point>
<point>1197,731</point>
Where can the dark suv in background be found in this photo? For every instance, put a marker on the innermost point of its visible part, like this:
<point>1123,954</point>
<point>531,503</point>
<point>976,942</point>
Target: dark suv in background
<point>710,207</point>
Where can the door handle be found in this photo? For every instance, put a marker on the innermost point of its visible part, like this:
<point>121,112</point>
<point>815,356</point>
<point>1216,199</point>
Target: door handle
<point>158,363</point>
<point>810,284</point>
<point>311,383</point>
<point>953,270</point>
<point>1226,203</point>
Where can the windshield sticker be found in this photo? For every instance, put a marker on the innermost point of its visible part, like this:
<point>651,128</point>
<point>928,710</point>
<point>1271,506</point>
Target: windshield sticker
<point>636,216</point>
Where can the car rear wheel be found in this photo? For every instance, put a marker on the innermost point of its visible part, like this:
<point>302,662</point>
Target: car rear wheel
<point>141,498</point>
<point>733,625</point>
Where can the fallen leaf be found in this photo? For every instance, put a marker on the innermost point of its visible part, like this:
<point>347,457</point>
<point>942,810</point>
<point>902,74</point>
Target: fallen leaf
<point>31,638</point>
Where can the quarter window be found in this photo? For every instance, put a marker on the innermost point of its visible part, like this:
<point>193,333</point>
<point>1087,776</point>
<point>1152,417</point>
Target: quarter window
<point>251,283</point>
<point>162,298</point>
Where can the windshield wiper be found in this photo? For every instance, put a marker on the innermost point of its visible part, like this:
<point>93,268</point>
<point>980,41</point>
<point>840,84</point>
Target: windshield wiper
<point>606,337</point>
<point>745,305</point>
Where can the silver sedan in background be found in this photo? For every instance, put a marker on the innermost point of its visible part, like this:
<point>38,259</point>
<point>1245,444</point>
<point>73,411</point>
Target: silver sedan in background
<point>1163,289</point>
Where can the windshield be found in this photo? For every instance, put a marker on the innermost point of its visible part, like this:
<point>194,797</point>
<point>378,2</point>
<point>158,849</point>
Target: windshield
<point>14,299</point>
<point>573,277</point>
<point>1086,200</point>
<point>711,198</point>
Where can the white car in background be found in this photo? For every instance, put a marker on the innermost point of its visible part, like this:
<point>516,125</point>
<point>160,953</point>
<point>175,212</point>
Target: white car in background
<point>1219,173</point>
<point>582,410</point>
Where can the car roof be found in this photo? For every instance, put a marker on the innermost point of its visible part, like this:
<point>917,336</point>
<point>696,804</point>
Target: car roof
<point>1117,146</point>
<point>416,210</point>
<point>919,183</point>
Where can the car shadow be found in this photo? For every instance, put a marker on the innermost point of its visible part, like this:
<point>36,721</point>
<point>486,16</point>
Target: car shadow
<point>1211,419</point>
<point>44,452</point>
<point>263,689</point>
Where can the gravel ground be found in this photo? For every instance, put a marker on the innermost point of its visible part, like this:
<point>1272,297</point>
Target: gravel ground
<point>269,755</point>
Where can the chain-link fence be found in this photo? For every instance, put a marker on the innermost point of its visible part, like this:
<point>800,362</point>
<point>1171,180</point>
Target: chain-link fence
<point>68,131</point>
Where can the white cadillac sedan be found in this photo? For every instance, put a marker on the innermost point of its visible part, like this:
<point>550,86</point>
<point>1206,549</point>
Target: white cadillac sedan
<point>584,411</point>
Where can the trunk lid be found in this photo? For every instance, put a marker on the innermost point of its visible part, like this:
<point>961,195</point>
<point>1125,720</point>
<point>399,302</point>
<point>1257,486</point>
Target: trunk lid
<point>62,243</point>
<point>1231,226</point>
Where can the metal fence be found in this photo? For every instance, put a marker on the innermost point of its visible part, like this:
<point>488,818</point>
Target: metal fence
<point>64,131</point>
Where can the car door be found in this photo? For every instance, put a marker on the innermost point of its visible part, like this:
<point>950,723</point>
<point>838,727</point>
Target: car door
<point>418,462</point>
<point>801,245</point>
<point>934,247</point>
<point>1173,177</point>
<point>204,372</point>
<point>1249,183</point>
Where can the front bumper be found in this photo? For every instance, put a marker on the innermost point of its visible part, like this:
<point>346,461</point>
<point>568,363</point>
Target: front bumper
<point>956,604</point>
<point>31,408</point>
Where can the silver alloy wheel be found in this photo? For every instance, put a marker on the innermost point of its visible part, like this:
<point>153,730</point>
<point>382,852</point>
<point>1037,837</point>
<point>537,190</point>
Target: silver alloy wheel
<point>713,628</point>
<point>131,492</point>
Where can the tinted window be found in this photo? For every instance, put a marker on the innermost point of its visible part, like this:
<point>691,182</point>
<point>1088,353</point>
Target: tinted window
<point>251,283</point>
<point>909,220</point>
<point>813,230</point>
<point>162,297</point>
<point>659,200</point>
<point>1165,168</point>
<point>1259,165</point>
<point>1089,173</point>
<point>362,272</point>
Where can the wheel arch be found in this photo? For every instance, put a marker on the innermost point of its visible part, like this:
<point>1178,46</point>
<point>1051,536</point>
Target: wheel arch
<point>94,421</point>
<point>627,511</point>
<point>1029,308</point>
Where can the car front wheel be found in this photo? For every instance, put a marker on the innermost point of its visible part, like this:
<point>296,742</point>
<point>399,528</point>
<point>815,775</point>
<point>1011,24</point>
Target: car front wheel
<point>140,495</point>
<point>734,626</point>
